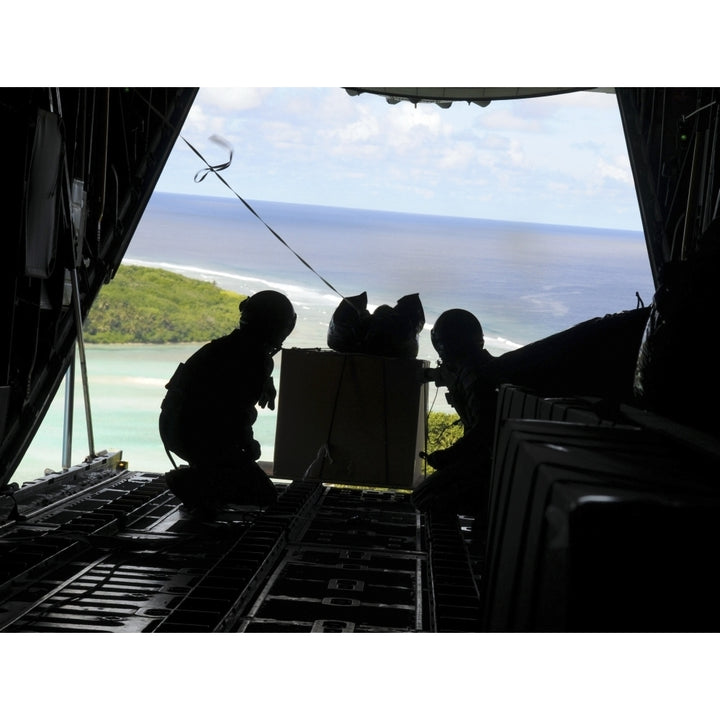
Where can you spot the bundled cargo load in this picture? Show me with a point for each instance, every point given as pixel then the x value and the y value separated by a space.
pixel 387 331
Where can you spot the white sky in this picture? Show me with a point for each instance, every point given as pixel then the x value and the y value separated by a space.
pixel 560 160
pixel 555 160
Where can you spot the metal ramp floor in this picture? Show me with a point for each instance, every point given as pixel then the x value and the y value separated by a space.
pixel 108 550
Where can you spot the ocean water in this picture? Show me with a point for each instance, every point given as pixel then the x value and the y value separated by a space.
pixel 523 281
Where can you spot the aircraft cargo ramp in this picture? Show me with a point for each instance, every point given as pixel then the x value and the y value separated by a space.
pixel 601 519
pixel 122 556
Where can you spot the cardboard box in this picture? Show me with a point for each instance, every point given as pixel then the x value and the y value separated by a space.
pixel 350 419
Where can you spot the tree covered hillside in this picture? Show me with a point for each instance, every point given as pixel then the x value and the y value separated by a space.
pixel 149 305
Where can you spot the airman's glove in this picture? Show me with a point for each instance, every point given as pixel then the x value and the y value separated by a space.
pixel 268 395
pixel 439 459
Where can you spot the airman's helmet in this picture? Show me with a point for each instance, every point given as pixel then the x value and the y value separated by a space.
pixel 456 333
pixel 269 315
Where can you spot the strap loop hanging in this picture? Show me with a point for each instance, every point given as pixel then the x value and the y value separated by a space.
pixel 215 169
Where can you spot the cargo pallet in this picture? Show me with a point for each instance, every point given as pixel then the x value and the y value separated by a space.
pixel 103 549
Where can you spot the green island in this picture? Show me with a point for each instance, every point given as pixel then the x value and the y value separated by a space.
pixel 443 429
pixel 151 305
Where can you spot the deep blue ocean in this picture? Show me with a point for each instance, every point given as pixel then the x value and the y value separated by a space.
pixel 524 281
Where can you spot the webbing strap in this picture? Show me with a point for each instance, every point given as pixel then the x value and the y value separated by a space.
pixel 215 169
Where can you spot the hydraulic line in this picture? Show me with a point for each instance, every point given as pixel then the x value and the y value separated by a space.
pixel 70 389
pixel 106 140
pixel 68 413
pixel 710 210
pixel 83 364
pixel 692 196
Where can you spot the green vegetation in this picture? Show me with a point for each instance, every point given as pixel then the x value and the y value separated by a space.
pixel 442 430
pixel 149 305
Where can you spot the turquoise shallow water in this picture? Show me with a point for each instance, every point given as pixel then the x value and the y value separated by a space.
pixel 127 385
pixel 126 388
